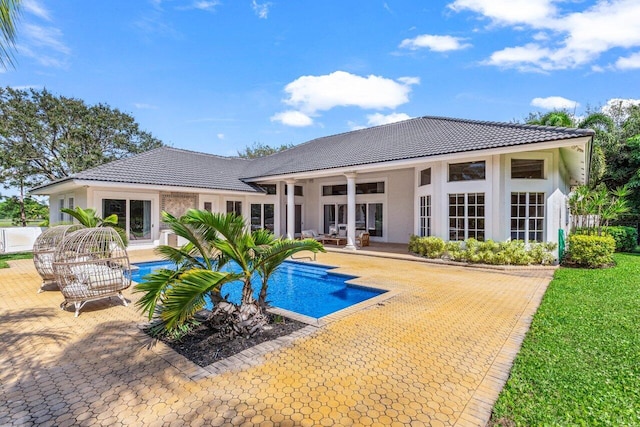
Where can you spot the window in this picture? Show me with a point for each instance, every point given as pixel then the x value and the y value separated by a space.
pixel 466 216
pixel 425 216
pixel 234 207
pixel 470 171
pixel 362 188
pixel 71 203
pixel 297 190
pixel 425 177
pixel 527 216
pixel 207 206
pixel 370 188
pixel 262 216
pixel 334 190
pixel 527 169
pixel 60 207
pixel 269 188
pixel 117 207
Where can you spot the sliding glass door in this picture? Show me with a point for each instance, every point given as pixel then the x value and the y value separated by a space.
pixel 133 215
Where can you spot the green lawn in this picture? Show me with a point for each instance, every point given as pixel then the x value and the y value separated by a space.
pixel 580 362
pixel 10 257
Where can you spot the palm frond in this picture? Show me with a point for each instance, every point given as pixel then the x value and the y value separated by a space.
pixel 154 287
pixel 187 295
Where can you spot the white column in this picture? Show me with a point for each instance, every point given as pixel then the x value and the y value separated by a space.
pixel 351 211
pixel 291 209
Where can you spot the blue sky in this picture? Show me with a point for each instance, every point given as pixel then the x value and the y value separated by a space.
pixel 216 76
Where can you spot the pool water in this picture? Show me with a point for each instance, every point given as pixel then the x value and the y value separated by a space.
pixel 311 290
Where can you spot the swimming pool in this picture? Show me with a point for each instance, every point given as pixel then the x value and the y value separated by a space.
pixel 311 290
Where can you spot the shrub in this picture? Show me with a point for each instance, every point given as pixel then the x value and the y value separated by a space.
pixel 455 251
pixel 513 252
pixel 430 247
pixel 590 251
pixel 626 237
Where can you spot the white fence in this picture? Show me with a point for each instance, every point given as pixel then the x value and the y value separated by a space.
pixel 18 239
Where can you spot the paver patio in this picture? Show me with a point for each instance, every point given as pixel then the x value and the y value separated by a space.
pixel 436 353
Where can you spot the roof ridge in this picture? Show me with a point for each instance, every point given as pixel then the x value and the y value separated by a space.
pixel 512 125
pixel 206 154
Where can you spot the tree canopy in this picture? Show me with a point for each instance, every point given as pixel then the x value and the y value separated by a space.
pixel 261 150
pixel 616 148
pixel 33 210
pixel 45 137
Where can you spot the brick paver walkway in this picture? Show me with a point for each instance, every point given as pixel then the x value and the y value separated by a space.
pixel 437 353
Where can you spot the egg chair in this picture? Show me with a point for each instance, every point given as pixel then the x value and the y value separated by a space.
pixel 91 264
pixel 44 249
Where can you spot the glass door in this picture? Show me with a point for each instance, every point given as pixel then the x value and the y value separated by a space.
pixel 140 220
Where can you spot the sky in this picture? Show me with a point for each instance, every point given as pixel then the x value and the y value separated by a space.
pixel 218 75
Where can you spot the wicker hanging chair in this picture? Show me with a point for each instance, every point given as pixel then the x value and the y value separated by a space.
pixel 91 264
pixel 44 249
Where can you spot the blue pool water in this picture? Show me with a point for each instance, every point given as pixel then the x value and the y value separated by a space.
pixel 311 290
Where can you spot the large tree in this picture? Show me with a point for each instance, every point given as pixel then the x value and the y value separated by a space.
pixel 9 10
pixel 44 137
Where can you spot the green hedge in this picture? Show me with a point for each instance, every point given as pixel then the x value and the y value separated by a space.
pixel 590 251
pixel 626 237
pixel 513 252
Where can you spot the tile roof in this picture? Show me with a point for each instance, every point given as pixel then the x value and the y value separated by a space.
pixel 172 167
pixel 415 138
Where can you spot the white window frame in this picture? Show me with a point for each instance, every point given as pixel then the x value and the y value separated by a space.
pixel 527 217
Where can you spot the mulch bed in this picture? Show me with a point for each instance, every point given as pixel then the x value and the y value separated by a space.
pixel 203 346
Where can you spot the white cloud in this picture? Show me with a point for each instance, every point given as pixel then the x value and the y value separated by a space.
pixel 44 44
pixel 409 80
pixel 522 57
pixel 320 93
pixel 209 6
pixel 220 136
pixel 378 119
pixel 45 37
pixel 292 118
pixel 628 63
pixel 261 10
pixel 618 107
pixel 35 8
pixel 434 43
pixel 508 12
pixel 26 87
pixel 569 40
pixel 143 106
pixel 554 103
pixel 206 5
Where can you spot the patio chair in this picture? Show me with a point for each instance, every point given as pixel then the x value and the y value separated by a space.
pixel 91 264
pixel 362 239
pixel 44 249
pixel 311 234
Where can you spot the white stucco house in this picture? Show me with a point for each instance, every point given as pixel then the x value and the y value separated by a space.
pixel 445 177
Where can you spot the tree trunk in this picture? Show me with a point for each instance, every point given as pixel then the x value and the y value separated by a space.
pixel 247 292
pixel 23 215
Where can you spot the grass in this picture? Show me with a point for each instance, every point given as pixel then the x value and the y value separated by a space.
pixel 580 362
pixel 10 257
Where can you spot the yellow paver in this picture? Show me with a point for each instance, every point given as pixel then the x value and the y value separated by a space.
pixel 437 353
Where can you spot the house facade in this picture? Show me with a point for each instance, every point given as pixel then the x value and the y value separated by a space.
pixel 428 176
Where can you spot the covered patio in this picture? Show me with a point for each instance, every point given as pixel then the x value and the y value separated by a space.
pixel 437 353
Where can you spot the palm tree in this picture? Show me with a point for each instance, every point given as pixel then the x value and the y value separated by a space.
pixel 89 219
pixel 9 10
pixel 173 297
pixel 602 124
